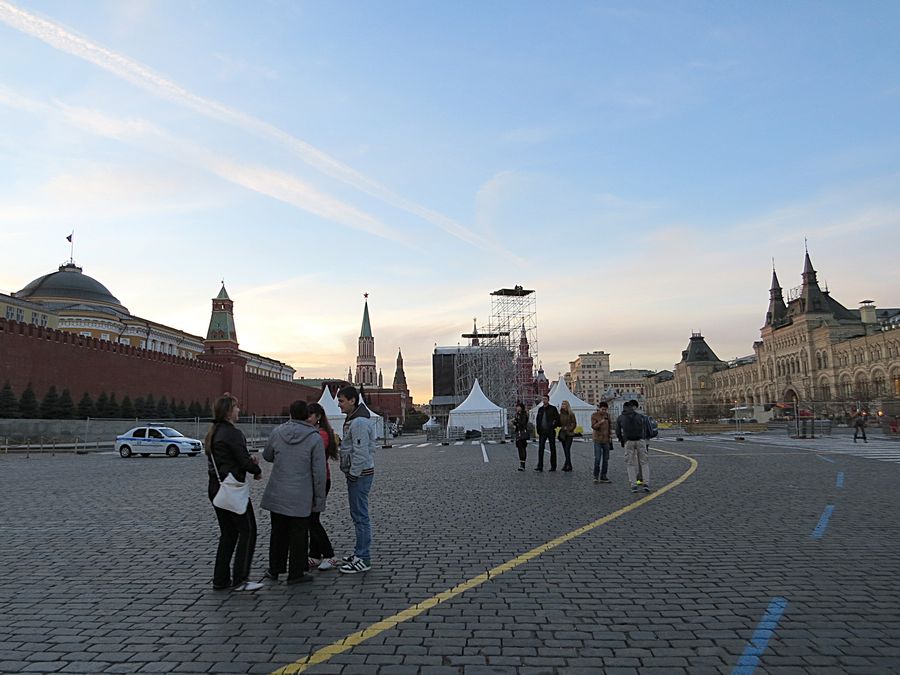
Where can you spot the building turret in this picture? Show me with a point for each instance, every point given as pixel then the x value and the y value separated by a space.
pixel 221 344
pixel 399 384
pixel 777 309
pixel 811 295
pixel 221 336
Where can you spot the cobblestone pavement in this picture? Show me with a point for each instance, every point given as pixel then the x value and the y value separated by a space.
pixel 107 565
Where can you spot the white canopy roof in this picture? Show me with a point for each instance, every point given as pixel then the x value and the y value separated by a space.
pixel 332 412
pixel 431 423
pixel 582 409
pixel 376 419
pixel 477 411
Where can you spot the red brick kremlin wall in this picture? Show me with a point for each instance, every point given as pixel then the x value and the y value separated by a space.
pixel 45 357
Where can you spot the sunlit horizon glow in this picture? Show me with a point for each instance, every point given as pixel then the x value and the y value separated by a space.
pixel 639 165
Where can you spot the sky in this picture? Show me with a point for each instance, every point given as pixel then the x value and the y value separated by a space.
pixel 638 164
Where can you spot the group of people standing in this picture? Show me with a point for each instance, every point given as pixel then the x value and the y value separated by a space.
pixel 632 429
pixel 295 495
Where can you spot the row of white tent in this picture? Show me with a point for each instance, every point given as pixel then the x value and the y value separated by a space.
pixel 478 412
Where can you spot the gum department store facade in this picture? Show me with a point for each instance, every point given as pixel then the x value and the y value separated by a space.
pixel 813 352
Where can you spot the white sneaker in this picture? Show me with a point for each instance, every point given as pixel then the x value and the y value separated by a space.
pixel 328 564
pixel 248 586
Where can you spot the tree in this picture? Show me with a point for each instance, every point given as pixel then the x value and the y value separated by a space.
pixel 112 406
pixel 414 420
pixel 150 407
pixel 195 409
pixel 28 405
pixel 127 408
pixel 66 405
pixel 86 407
pixel 207 410
pixel 140 407
pixel 9 404
pixel 50 404
pixel 181 410
pixel 102 405
pixel 163 411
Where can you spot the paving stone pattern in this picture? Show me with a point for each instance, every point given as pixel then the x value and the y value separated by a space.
pixel 107 565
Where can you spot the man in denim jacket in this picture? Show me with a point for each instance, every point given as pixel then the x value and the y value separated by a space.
pixel 358 463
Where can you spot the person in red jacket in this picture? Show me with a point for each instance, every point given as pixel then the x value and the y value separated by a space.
pixel 321 552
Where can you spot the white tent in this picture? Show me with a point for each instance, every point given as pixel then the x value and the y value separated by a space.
pixel 377 421
pixel 431 424
pixel 582 409
pixel 332 412
pixel 477 412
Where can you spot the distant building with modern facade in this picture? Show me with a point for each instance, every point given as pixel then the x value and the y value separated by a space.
pixel 591 379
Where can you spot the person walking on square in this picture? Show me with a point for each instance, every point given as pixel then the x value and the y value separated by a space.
pixel 226 453
pixel 520 428
pixel 631 430
pixel 358 464
pixel 567 425
pixel 321 552
pixel 602 446
pixel 296 489
pixel 547 424
pixel 859 426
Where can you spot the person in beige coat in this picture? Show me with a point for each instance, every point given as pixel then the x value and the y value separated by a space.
pixel 602 442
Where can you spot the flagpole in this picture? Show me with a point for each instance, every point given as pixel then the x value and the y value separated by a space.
pixel 72 247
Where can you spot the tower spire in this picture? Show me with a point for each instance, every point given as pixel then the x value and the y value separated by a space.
pixel 366 368
pixel 221 331
pixel 777 309
pixel 811 295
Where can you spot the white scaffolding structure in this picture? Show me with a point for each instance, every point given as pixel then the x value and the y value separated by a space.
pixel 491 356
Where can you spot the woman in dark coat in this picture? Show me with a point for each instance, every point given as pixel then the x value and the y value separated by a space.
pixel 226 452
pixel 567 423
pixel 520 427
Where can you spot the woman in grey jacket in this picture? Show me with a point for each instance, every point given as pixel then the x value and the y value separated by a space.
pixel 296 488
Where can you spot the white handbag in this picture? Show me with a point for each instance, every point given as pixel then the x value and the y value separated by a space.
pixel 233 495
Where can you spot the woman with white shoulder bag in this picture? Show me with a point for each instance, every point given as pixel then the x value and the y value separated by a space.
pixel 229 490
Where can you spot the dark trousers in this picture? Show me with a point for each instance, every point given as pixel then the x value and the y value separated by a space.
pixel 319 543
pixel 566 441
pixel 288 545
pixel 601 458
pixel 237 538
pixel 859 431
pixel 543 440
pixel 522 447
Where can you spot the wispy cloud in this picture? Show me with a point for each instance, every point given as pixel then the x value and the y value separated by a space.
pixel 263 180
pixel 141 76
pixel 234 69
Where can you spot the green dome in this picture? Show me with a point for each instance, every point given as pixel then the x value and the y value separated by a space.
pixel 69 286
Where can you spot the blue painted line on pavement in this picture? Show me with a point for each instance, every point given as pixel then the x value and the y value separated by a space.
pixel 764 631
pixel 823 522
pixel 827 459
pixel 840 479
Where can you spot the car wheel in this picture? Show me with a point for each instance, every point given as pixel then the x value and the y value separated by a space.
pixel 172 451
pixel 145 454
pixel 125 452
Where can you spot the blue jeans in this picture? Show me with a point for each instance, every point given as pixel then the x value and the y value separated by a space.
pixel 358 497
pixel 601 458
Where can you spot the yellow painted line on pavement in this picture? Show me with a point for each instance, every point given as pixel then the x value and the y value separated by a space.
pixel 345 644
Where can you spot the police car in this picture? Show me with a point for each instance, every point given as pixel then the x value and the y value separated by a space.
pixel 154 439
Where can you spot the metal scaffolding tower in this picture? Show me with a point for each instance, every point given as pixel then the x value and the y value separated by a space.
pixel 492 355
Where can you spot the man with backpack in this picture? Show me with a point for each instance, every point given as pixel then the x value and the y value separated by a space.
pixel 633 431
